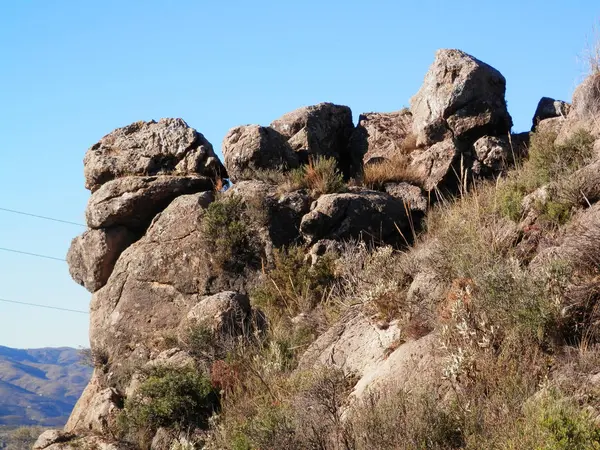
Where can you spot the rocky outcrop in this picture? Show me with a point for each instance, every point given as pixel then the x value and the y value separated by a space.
pixel 166 147
pixel 370 215
pixel 548 108
pixel 380 136
pixel 92 255
pixel 321 130
pixel 249 148
pixel 134 201
pixel 462 98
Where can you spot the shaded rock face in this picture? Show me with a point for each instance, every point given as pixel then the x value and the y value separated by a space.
pixel 461 97
pixel 168 146
pixel 411 196
pixel 382 136
pixel 247 149
pixel 492 154
pixel 549 108
pixel 93 255
pixel 320 130
pixel 370 215
pixel 134 201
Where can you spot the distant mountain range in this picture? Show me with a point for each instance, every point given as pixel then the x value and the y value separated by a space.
pixel 40 386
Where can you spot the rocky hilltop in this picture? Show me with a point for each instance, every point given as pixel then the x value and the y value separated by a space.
pixel 423 279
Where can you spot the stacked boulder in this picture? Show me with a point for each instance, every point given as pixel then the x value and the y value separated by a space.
pixel 134 173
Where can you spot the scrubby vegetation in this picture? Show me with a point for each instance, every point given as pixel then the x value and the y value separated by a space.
pixel 548 162
pixel 18 438
pixel 320 176
pixel 177 398
pixel 376 175
pixel 506 331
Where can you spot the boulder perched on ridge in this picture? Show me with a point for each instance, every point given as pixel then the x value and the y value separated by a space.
pixel 168 146
pixel 134 201
pixel 549 108
pixel 321 130
pixel 93 255
pixel 370 215
pixel 249 148
pixel 462 98
pixel 586 98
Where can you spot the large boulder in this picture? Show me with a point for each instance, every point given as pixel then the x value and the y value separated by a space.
pixel 370 215
pixel 383 136
pixel 93 254
pixel 168 146
pixel 320 130
pixel 586 98
pixel 249 148
pixel 461 97
pixel 548 108
pixel 134 201
pixel 155 282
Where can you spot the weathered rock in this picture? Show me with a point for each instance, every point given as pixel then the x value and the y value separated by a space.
pixel 93 255
pixel 86 442
pixel 382 136
pixel 437 166
pixel 96 409
pixel 461 97
pixel 376 356
pixel 370 215
pixel 50 437
pixel 224 313
pixel 549 108
pixel 493 155
pixel 168 146
pixel 320 130
pixel 154 283
pixel 249 148
pixel 412 196
pixel 586 98
pixel 322 248
pixel 281 213
pixel 134 201
pixel 553 125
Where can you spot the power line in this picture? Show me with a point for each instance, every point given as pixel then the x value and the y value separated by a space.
pixel 42 217
pixel 37 255
pixel 43 306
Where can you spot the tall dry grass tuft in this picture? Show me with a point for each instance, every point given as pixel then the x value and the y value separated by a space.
pixel 397 170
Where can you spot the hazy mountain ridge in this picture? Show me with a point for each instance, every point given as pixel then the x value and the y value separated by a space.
pixel 40 386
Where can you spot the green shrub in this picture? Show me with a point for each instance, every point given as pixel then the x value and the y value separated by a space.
pixel 293 285
pixel 229 235
pixel 177 398
pixel 548 162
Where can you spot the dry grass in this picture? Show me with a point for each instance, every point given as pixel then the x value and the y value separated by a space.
pixel 375 175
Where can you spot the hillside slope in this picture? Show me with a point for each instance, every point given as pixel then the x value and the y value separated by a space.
pixel 40 386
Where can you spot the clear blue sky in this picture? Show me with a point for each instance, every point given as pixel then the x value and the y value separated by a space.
pixel 71 71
